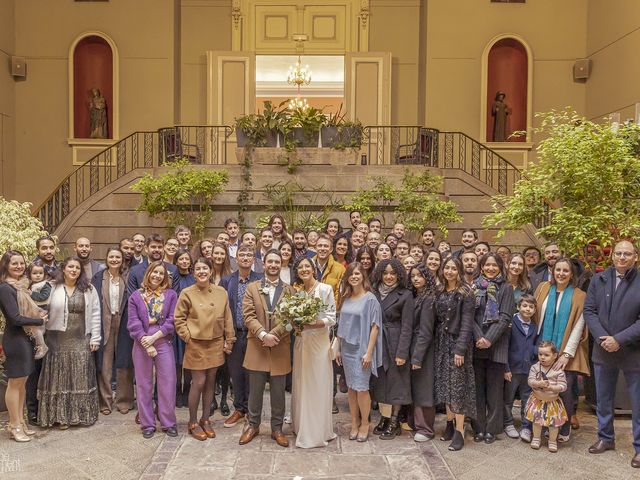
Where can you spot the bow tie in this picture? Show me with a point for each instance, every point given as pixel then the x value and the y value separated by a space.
pixel 269 283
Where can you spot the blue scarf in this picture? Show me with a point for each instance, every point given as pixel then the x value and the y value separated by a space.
pixel 555 324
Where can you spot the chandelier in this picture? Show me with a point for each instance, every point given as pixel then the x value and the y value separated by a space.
pixel 298 76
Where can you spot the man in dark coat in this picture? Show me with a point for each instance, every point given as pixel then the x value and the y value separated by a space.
pixel 612 312
pixel 155 252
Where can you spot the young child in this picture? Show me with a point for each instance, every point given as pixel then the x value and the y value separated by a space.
pixel 40 291
pixel 522 354
pixel 544 408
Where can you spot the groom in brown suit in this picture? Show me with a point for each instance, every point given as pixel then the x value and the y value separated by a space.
pixel 268 356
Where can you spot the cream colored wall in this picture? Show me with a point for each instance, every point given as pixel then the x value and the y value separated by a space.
pixel 7 100
pixel 143 31
pixel 395 27
pixel 457 33
pixel 206 25
pixel 613 43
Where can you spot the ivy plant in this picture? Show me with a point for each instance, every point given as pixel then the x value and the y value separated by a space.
pixel 415 202
pixel 184 195
pixel 587 175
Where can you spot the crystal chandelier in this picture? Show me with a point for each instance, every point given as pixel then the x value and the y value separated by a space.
pixel 298 76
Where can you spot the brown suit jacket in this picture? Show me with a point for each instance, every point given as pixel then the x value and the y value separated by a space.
pixel 106 307
pixel 275 360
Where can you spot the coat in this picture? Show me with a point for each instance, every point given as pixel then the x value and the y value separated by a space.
pixel 496 333
pixel 204 315
pixel 332 275
pixel 275 360
pixel 611 311
pixel 100 281
pixel 523 347
pixel 422 353
pixel 393 385
pixel 58 312
pixel 138 321
pixel 230 284
pixel 461 323
pixel 580 361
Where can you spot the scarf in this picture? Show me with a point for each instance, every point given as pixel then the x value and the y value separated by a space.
pixel 555 322
pixel 154 300
pixel 486 287
pixel 26 306
pixel 385 290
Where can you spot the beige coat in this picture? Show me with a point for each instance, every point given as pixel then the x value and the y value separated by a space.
pixel 275 360
pixel 204 315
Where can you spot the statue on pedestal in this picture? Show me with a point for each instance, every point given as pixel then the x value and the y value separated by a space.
pixel 98 115
pixel 499 111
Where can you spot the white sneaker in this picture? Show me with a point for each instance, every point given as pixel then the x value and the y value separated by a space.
pixel 418 437
pixel 511 431
pixel 287 419
pixel 564 438
pixel 525 435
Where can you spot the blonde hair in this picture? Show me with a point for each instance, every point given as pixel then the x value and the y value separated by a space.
pixel 152 266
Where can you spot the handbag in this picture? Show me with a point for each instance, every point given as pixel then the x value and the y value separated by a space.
pixel 334 349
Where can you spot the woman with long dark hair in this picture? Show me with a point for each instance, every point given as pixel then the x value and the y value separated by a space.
pixel 495 307
pixel 68 390
pixel 332 228
pixel 360 344
pixel 221 263
pixel 18 349
pixel 342 250
pixel 183 279
pixel 518 277
pixel 366 257
pixel 454 378
pixel 278 227
pixel 423 286
pixel 286 250
pixel 393 385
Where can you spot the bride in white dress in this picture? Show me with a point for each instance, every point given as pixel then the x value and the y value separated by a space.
pixel 312 394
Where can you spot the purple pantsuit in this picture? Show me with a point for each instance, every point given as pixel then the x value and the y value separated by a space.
pixel 164 361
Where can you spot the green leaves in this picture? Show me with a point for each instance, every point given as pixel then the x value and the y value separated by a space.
pixel 589 174
pixel 415 202
pixel 184 195
pixel 19 230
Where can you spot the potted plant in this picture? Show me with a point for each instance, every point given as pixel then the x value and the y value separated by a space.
pixel 340 133
pixel 306 124
pixel 263 128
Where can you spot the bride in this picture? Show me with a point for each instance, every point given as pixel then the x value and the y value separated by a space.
pixel 312 394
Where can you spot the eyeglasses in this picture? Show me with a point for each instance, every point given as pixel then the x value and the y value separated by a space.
pixel 623 254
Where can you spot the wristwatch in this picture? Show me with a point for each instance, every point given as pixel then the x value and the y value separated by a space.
pixel 566 355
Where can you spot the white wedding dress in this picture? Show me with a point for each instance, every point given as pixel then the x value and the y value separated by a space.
pixel 312 394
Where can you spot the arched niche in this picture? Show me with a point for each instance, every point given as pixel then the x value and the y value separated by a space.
pixel 93 64
pixel 507 66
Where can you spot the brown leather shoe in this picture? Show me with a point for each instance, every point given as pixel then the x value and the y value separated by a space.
pixel 280 438
pixel 235 417
pixel 196 432
pixel 249 434
pixel 601 446
pixel 635 461
pixel 207 428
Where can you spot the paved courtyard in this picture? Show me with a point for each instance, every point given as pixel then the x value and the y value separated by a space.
pixel 115 449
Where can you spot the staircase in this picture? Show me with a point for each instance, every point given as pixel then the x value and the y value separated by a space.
pixel 96 200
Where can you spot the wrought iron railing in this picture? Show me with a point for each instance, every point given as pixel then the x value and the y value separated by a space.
pixel 381 145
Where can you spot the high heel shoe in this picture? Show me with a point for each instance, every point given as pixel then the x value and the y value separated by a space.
pixel 448 432
pixel 457 443
pixel 19 435
pixel 27 430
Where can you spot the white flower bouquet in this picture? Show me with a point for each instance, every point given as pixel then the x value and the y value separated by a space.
pixel 295 310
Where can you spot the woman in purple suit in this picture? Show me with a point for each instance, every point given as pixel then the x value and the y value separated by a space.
pixel 151 327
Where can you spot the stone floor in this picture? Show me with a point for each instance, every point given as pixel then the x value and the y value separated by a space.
pixel 114 449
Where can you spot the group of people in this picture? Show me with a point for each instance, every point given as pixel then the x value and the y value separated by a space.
pixel 406 327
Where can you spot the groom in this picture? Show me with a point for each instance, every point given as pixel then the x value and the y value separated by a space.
pixel 268 356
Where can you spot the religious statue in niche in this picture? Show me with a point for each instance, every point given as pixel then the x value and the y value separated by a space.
pixel 499 111
pixel 98 115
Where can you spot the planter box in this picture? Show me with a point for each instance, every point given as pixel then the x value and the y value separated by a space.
pixel 271 138
pixel 303 139
pixel 306 156
pixel 332 136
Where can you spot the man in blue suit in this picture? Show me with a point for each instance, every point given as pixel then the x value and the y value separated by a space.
pixel 155 252
pixel 236 286
pixel 612 312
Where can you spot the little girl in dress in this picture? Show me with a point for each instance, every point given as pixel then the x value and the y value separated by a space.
pixel 40 291
pixel 544 407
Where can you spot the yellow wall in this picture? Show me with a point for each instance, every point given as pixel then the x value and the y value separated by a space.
pixel 7 100
pixel 457 33
pixel 143 31
pixel 613 45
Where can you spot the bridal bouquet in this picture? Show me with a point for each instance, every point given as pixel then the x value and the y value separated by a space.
pixel 295 310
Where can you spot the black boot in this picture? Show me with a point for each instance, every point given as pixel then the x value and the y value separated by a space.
pixel 224 408
pixel 448 432
pixel 392 430
pixel 382 426
pixel 214 406
pixel 458 441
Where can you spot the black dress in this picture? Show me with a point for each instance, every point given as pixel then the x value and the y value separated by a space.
pixel 18 349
